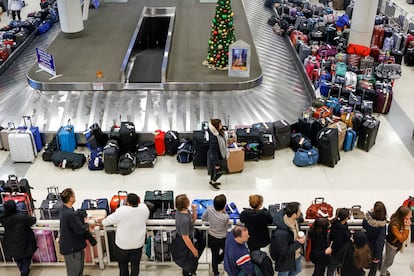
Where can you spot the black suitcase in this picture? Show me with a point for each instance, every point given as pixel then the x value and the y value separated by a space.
pixel 50 207
pixel 328 147
pixel 264 128
pixel 200 148
pixel 99 137
pixel 282 131
pixel 146 155
pixel 127 137
pixel 162 201
pixel 249 138
pixel 357 120
pixel 316 127
pixel 111 156
pixel 267 145
pixel 398 55
pixel 305 126
pixel 172 141
pixel 409 57
pixel 13 184
pixel 368 134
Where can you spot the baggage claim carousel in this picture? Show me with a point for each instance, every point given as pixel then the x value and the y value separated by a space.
pixel 163 87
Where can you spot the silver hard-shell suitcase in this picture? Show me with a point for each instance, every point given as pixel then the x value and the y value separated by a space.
pixel 22 146
pixel 4 134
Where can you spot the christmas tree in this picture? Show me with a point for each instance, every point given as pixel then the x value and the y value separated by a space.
pixel 222 35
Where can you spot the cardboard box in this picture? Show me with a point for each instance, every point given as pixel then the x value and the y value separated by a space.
pixel 235 161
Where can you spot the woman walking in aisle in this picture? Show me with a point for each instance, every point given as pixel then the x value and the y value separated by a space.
pixel 217 152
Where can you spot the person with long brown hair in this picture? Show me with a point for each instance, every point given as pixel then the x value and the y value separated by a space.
pixel 320 248
pixel 398 231
pixel 375 225
pixel 217 152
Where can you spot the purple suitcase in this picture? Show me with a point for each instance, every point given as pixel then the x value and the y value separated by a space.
pixel 383 100
pixel 45 252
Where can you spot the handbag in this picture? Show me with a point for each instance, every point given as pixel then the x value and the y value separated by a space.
pixel 258 256
pixel 319 209
pixel 304 158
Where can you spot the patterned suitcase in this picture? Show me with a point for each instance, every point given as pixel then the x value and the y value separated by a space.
pixel 22 146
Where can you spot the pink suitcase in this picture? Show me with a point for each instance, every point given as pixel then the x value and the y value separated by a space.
pixel 22 146
pixel 45 252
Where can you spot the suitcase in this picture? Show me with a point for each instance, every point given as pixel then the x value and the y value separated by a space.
pixel 249 138
pixel 409 57
pixel 282 131
pixel 264 128
pixel 66 138
pixel 305 126
pixel 159 140
pixel 368 134
pixel 97 139
pixel 316 127
pixel 118 200
pixel 96 204
pixel 268 145
pixel 328 147
pixel 398 55
pixel 126 163
pixel 4 135
pixel 341 126
pixel 51 205
pixel 357 120
pixel 22 146
pixel 127 137
pixel 95 160
pixel 383 100
pixel 200 147
pixel 35 131
pixel 235 161
pixel 23 201
pixel 162 203
pixel 45 252
pixel 350 139
pixel 172 141
pixel 111 156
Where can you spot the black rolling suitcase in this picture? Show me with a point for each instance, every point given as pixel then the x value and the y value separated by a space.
pixel 328 147
pixel 111 156
pixel 316 127
pixel 200 147
pixel 172 141
pixel 368 133
pixel 127 137
pixel 162 203
pixel 267 145
pixel 409 57
pixel 50 207
pixel 304 126
pixel 264 128
pixel 249 138
pixel 282 131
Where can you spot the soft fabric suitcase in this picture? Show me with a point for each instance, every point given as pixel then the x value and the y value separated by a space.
pixel 98 137
pixel 171 141
pixel 409 57
pixel 200 147
pixel 368 134
pixel 4 135
pixel 328 147
pixel 111 156
pixel 268 145
pixel 22 146
pixel 66 138
pixel 118 200
pixel 159 140
pixel 35 131
pixel 383 100
pixel 264 127
pixel 350 139
pixel 126 163
pixel 45 252
pixel 96 204
pixel 51 205
pixel 235 161
pixel 282 131
pixel 398 55
pixel 305 126
pixel 341 126
pixel 146 156
pixel 202 205
pixel 162 203
pixel 127 137
pixel 316 127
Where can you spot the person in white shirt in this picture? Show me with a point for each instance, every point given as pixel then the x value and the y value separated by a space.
pixel 15 6
pixel 131 229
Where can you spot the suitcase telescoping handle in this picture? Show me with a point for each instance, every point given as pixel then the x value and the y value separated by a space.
pixel 119 196
pixel 14 182
pixel 11 125
pixel 28 118
pixel 53 190
pixel 319 200
pixel 356 207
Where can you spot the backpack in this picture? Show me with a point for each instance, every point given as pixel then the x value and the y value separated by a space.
pixel 232 211
pixel 185 151
pixel 126 164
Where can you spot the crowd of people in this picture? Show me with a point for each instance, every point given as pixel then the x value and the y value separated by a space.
pixel 332 245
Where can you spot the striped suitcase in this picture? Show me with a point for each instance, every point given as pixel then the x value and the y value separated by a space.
pixel 22 146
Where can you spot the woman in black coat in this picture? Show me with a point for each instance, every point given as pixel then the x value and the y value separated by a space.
pixel 217 152
pixel 320 249
pixel 19 240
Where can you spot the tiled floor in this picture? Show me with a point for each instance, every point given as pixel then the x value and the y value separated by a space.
pixel 386 173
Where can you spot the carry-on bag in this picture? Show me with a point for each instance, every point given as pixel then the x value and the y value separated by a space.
pixel 97 138
pixel 126 164
pixel 95 160
pixel 111 156
pixel 128 138
pixel 304 158
pixel 4 135
pixel 146 155
pixel 202 205
pixel 171 141
pixel 96 204
pixel 163 200
pixel 118 200
pixel 159 140
pixel 235 160
pixel 200 147
pixel 66 138
pixel 368 134
pixel 327 139
pixel 341 126
pixel 298 141
pixel 35 131
pixel 22 146
pixel 51 205
pixel 23 201
pixel 319 209
pixel 50 148
pixel 384 100
pixel 282 131
pixel 267 145
pixel 350 139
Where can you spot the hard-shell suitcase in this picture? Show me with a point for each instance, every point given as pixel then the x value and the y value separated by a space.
pixel 127 137
pixel 282 131
pixel 118 200
pixel 45 252
pixel 341 126
pixel 4 135
pixel 66 138
pixel 398 55
pixel 235 161
pixel 159 140
pixel 350 139
pixel 357 120
pixel 384 100
pixel 35 131
pixel 328 147
pixel 111 156
pixel 23 201
pixel 172 141
pixel 96 204
pixel 22 146
pixel 378 36
pixel 368 134
pixel 200 147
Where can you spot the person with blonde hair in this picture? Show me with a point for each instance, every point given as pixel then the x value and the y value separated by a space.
pixel 257 219
pixel 398 231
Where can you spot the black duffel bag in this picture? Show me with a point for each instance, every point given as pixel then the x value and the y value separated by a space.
pixel 70 160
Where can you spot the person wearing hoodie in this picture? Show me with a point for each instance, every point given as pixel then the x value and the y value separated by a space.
pixel 217 152
pixel 355 255
pixel 286 244
pixel 257 220
pixel 19 240
pixel 339 236
pixel 375 225
pixel 320 248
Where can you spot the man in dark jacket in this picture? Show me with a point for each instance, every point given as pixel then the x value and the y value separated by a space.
pixel 72 235
pixel 286 245
pixel 19 239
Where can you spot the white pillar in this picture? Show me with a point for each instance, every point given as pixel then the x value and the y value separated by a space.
pixel 70 16
pixel 362 24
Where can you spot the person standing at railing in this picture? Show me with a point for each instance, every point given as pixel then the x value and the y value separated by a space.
pixel 218 221
pixel 131 220
pixel 19 239
pixel 72 235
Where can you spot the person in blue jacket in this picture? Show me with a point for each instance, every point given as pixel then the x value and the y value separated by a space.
pixel 375 225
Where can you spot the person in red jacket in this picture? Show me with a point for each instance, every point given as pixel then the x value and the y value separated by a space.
pixel 398 231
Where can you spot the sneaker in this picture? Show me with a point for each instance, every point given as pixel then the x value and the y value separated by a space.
pixel 214 186
pixel 213 182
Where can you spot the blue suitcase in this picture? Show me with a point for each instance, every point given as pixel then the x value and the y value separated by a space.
pixel 35 131
pixel 66 138
pixel 350 139
pixel 96 204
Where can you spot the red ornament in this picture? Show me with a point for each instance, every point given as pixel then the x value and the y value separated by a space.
pixel 218 56
pixel 215 32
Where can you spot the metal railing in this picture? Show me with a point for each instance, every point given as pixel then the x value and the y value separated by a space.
pixel 397 15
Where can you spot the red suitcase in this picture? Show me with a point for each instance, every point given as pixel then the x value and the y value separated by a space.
pixel 378 36
pixel 22 201
pixel 45 252
pixel 159 140
pixel 118 200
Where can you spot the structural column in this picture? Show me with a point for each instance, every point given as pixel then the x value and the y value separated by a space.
pixel 362 24
pixel 70 16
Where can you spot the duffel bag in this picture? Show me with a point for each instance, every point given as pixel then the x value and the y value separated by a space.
pixel 304 158
pixel 319 209
pixel 70 160
pixel 358 49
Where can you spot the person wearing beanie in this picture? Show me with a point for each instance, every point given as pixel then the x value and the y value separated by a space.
pixel 19 240
pixel 355 255
pixel 339 237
